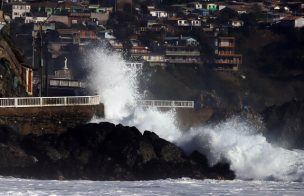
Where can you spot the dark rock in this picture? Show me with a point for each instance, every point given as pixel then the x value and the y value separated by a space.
pixel 14 157
pixel 101 152
pixel 200 159
pixel 164 149
pixel 285 124
pixel 9 135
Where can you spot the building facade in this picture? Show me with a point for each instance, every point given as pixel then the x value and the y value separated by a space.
pixel 225 57
pixel 182 50
pixel 19 10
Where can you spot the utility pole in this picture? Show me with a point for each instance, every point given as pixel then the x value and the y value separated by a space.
pixel 115 6
pixel 41 61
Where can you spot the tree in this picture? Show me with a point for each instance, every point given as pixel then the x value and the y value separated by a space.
pixel 225 15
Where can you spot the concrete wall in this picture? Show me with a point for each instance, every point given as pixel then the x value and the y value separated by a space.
pixel 40 120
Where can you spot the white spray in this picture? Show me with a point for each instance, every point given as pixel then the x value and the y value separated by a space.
pixel 118 86
pixel 250 155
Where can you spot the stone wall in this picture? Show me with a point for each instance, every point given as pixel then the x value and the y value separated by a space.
pixel 41 120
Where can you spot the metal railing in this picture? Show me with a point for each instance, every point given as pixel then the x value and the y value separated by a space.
pixel 48 101
pixel 166 103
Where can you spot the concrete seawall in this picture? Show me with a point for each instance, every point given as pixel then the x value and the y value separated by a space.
pixel 41 120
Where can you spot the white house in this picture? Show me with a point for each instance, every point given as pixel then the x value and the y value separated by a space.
pixel 187 23
pixel 159 13
pixel 236 23
pixel 222 7
pixel 196 5
pixel 12 1
pixel 195 23
pixel 135 65
pixel 34 19
pixel 183 23
pixel 20 10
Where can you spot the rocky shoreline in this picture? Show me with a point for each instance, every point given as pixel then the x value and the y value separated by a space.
pixel 101 152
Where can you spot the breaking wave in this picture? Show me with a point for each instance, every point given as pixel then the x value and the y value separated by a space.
pixel 234 140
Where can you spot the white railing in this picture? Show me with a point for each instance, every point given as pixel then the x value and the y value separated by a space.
pixel 48 101
pixel 166 103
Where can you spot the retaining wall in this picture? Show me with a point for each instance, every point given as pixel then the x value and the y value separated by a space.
pixel 55 119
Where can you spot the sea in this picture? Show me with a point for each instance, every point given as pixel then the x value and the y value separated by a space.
pixel 183 186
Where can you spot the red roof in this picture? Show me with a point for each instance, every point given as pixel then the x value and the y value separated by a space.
pixel 288 18
pixel 68 31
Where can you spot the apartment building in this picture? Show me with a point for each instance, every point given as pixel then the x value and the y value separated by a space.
pixel 225 57
pixel 182 50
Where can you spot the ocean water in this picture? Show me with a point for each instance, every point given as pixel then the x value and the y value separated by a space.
pixel 184 186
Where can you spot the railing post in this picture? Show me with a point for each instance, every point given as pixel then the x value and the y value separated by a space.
pixel 16 102
pixel 65 100
pixel 40 101
pixel 90 100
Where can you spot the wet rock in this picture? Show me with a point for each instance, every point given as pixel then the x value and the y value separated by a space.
pixel 14 157
pixel 102 152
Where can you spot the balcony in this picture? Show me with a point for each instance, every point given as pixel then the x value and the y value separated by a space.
pixel 226 44
pixel 182 53
pixel 66 83
pixel 226 53
pixel 228 61
pixel 184 61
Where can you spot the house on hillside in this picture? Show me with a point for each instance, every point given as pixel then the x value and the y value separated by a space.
pixel 235 23
pixel 79 18
pixel 292 22
pixel 100 15
pixel 20 9
pixel 159 13
pixel 116 45
pixel 182 50
pixel 212 7
pixel 225 57
pixel 60 19
pixel 201 12
pixel 138 50
pixel 52 8
pixel 195 5
pixel 35 18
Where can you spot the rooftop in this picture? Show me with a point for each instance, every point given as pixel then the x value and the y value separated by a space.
pixel 289 18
